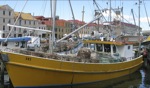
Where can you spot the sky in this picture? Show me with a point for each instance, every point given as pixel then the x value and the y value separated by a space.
pixel 42 7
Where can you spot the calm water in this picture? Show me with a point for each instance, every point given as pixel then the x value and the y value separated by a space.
pixel 139 79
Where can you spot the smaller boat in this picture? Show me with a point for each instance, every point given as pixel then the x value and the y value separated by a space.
pixel 16 42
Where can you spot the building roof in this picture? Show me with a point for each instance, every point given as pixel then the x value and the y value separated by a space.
pixel 61 22
pixel 39 17
pixel 24 16
pixel 5 7
pixel 78 22
pixel 47 22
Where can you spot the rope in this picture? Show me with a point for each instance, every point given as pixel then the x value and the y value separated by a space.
pixel 16 4
pixel 146 13
pixel 16 21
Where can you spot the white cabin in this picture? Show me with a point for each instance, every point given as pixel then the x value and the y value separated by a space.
pixel 33 43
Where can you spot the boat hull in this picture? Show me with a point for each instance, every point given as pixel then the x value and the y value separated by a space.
pixel 30 71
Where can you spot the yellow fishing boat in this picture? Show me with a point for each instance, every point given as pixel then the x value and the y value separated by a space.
pixel 100 60
pixel 30 71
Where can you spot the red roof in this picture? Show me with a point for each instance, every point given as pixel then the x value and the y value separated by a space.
pixel 39 17
pixel 77 22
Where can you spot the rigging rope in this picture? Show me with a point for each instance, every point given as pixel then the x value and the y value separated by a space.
pixel 15 4
pixel 44 7
pixel 16 21
pixel 146 13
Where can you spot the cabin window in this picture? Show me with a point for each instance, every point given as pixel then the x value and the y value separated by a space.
pixel 128 47
pixel 107 48
pixel 114 49
pixel 23 44
pixel 99 47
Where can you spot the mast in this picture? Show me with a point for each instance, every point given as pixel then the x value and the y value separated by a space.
pixel 133 16
pixel 110 10
pixel 110 22
pixel 74 24
pixel 139 26
pixel 82 33
pixel 53 26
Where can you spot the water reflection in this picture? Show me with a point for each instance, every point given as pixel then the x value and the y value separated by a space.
pixel 145 81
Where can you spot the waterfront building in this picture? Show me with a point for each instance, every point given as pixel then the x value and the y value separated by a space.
pixel 61 26
pixel 6 16
pixel 9 16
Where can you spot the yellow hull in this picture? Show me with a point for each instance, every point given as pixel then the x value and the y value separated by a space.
pixel 30 71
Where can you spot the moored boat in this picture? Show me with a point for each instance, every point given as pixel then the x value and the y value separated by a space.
pixel 53 70
pixel 106 60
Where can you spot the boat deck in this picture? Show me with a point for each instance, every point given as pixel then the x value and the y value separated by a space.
pixel 95 57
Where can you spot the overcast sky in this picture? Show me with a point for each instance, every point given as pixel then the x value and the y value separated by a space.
pixel 42 7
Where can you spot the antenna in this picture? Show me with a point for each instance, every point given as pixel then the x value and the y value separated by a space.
pixel 83 14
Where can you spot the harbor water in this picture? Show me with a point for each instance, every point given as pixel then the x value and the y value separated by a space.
pixel 139 79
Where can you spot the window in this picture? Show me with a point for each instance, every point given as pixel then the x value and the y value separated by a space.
pixel 114 49
pixel 19 29
pixel 34 22
pixel 9 21
pixel 3 27
pixel 15 35
pixel 55 29
pixel 128 47
pixel 19 35
pixel 107 48
pixel 14 28
pixel 3 35
pixel 19 22
pixel 3 12
pixel 9 13
pixel 3 20
pixel 25 22
pixel 99 47
pixel 30 22
pixel 22 44
pixel 9 28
